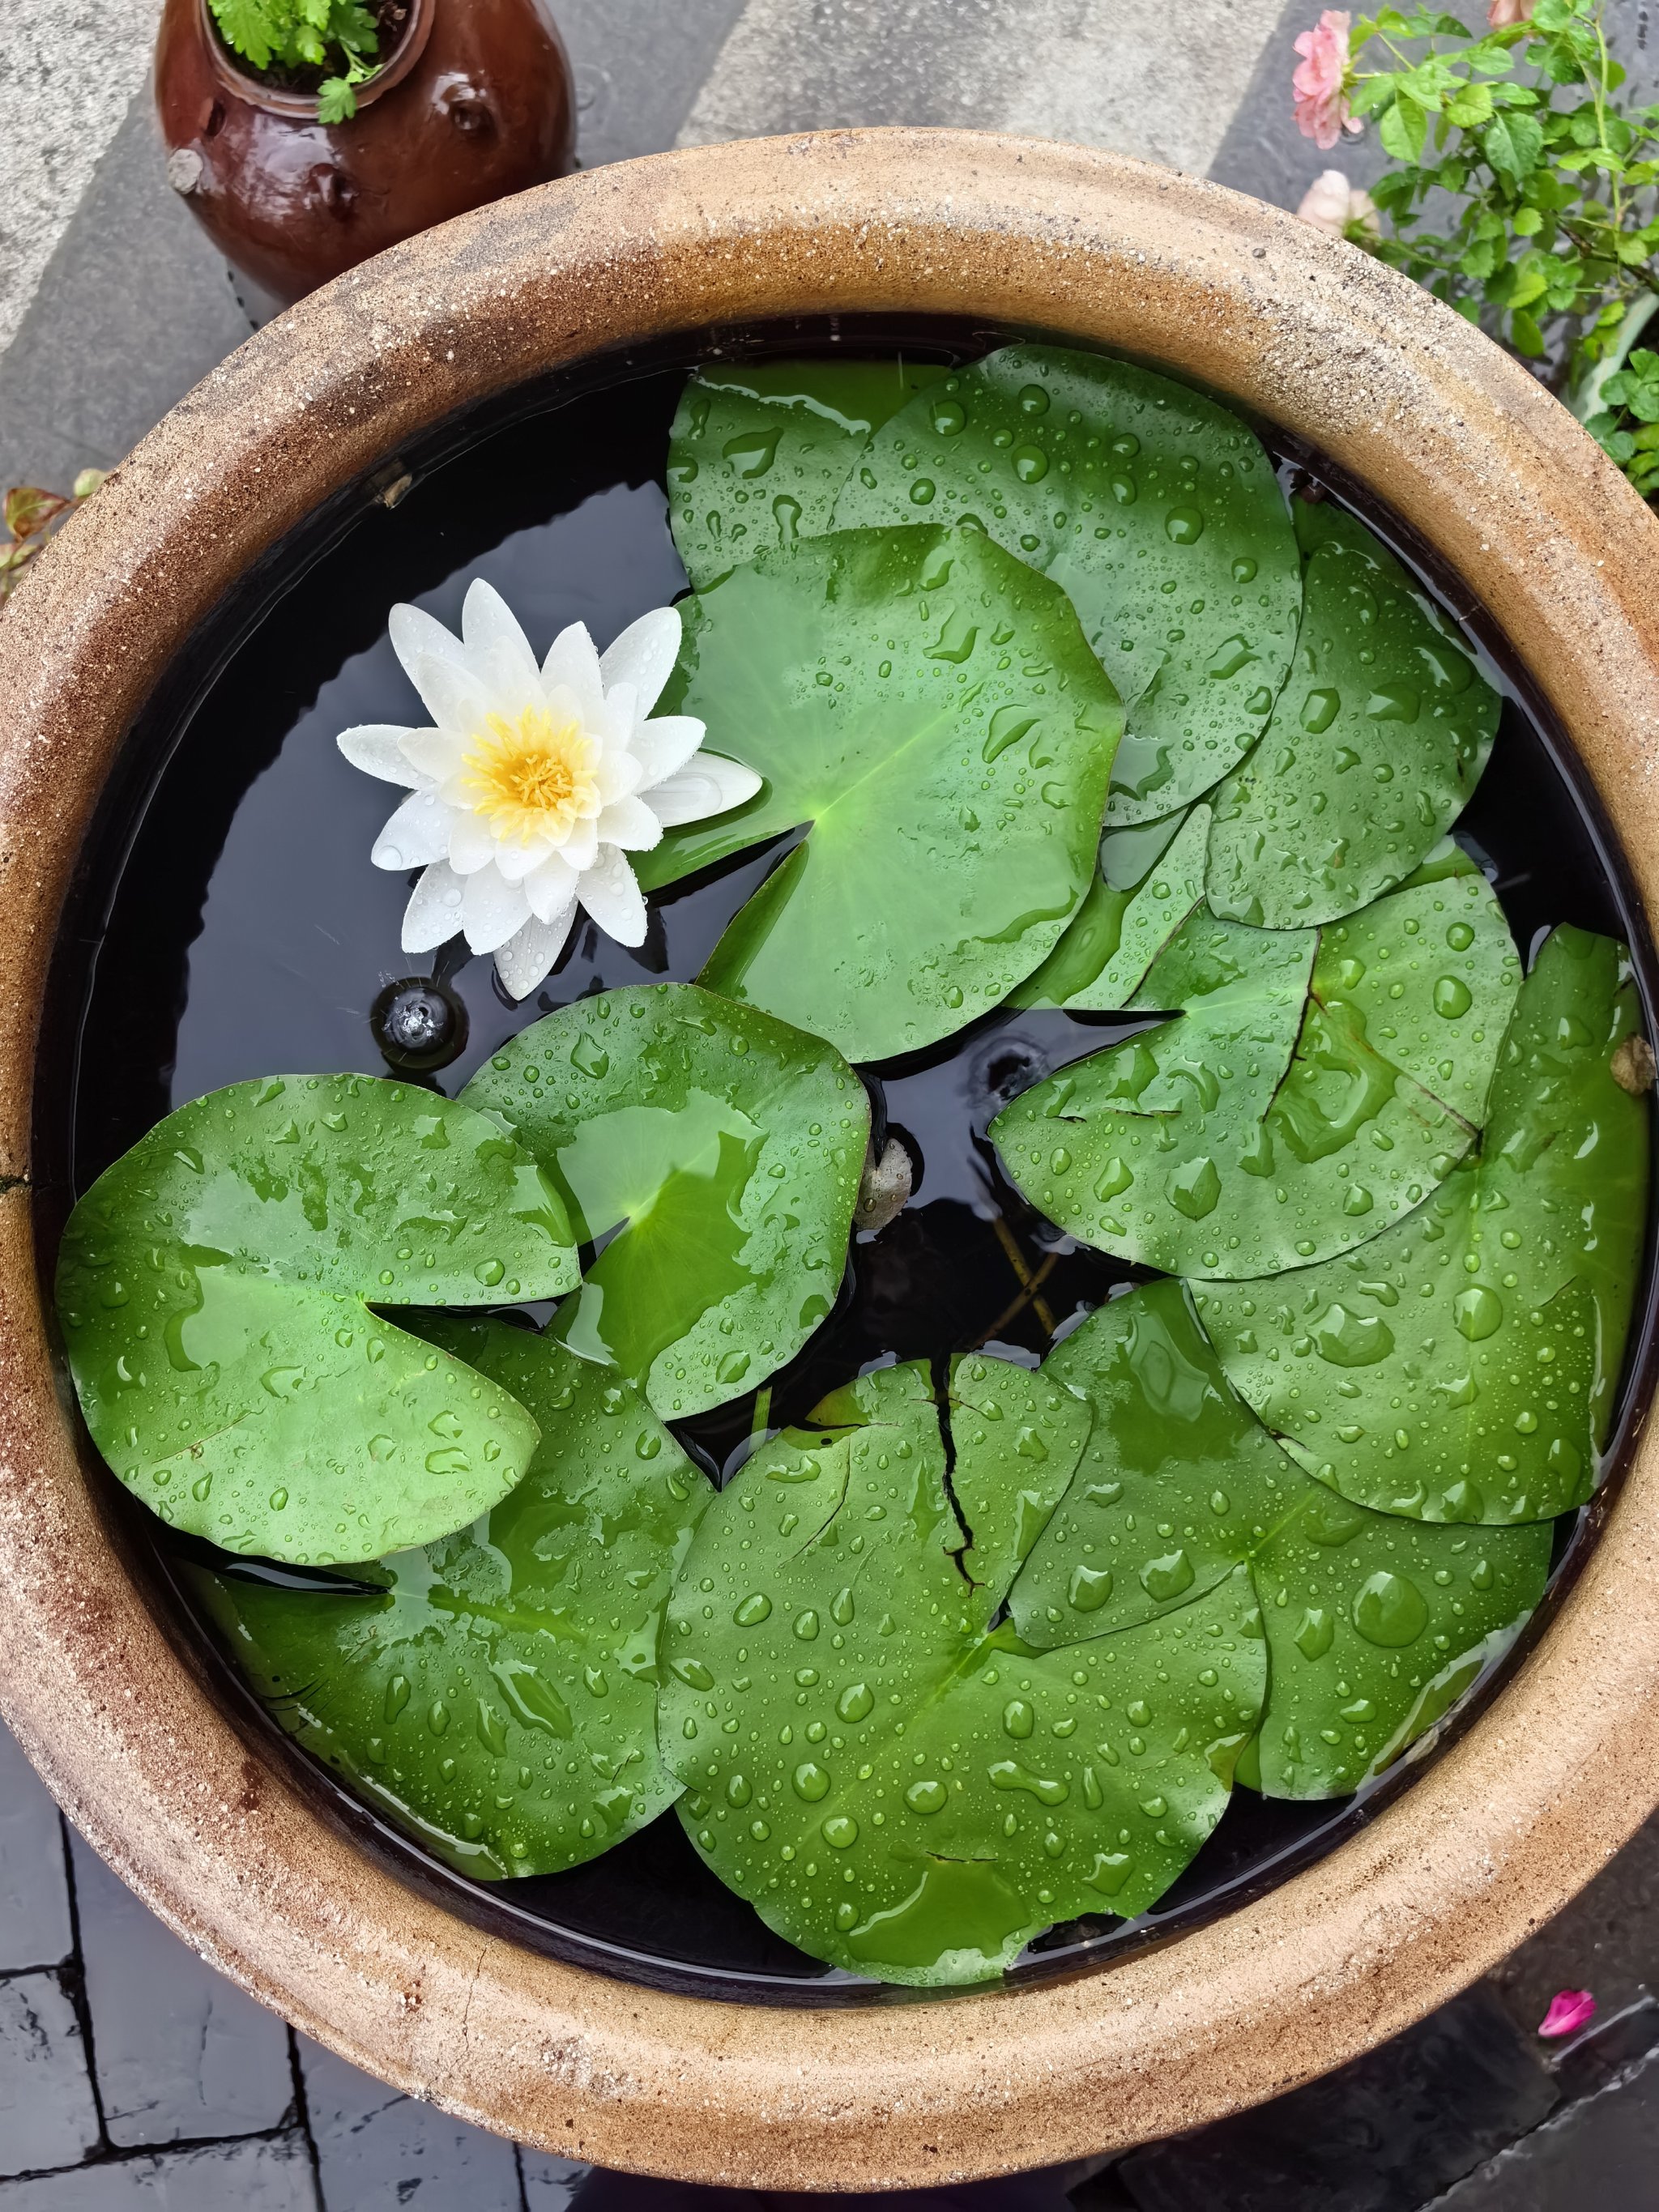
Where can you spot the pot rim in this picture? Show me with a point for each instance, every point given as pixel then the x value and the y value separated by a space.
pixel 1497 1834
pixel 302 106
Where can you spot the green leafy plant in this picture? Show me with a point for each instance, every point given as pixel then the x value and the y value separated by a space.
pixel 290 38
pixel 1523 191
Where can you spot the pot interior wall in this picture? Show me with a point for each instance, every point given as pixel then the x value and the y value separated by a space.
pixel 225 923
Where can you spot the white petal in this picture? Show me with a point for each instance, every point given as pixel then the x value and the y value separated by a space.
pixel 611 895
pixel 710 785
pixel 527 957
pixel 491 910
pixel 582 847
pixel 376 748
pixel 665 745
pixel 631 824
pixel 551 889
pixel 434 912
pixel 491 629
pixel 510 681
pixel 616 774
pixel 517 861
pixel 472 846
pixel 418 832
pixel 572 661
pixel 455 698
pixel 644 655
pixel 418 635
pixel 615 723
pixel 434 755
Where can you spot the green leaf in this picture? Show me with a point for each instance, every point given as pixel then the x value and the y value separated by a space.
pixel 1525 335
pixel 760 449
pixel 1151 875
pixel 1462 1366
pixel 337 101
pixel 245 28
pixel 894 1784
pixel 1141 499
pixel 499 1698
pixel 931 709
pixel 1282 1117
pixel 215 1287
pixel 1513 142
pixel 1377 741
pixel 727 1146
pixel 1368 1619
pixel 1404 128
pixel 1473 104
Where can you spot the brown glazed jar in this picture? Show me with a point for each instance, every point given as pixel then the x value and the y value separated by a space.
pixel 473 101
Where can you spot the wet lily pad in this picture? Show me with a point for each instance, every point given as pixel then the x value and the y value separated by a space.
pixel 1156 510
pixel 498 1696
pixel 1377 743
pixel 759 451
pixel 894 1784
pixel 1462 1366
pixel 929 710
pixel 1373 1624
pixel 216 1288
pixel 1121 926
pixel 1298 1105
pixel 723 1148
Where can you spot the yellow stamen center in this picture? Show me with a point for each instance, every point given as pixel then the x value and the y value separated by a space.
pixel 532 778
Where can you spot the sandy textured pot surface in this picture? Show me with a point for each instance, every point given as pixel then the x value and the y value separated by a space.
pixel 1492 1837
pixel 473 99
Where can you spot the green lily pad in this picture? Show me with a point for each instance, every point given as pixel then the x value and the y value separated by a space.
pixel 760 449
pixel 930 709
pixel 1153 507
pixel 498 1696
pixel 1373 1624
pixel 1462 1366
pixel 216 1288
pixel 894 1784
pixel 1377 741
pixel 1298 1105
pixel 1120 929
pixel 724 1148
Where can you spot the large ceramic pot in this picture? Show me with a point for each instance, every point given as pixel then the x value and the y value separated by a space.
pixel 313 417
pixel 473 99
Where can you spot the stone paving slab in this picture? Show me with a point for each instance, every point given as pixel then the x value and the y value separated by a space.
pixel 34 1907
pixel 1599 2155
pixel 47 2115
pixel 378 2151
pixel 270 2175
pixel 549 2184
pixel 179 2053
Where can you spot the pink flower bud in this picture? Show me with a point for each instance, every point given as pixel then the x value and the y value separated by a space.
pixel 1503 13
pixel 1570 2010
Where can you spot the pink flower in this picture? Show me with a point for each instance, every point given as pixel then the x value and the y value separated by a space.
pixel 1570 2009
pixel 1321 104
pixel 1503 13
pixel 1332 203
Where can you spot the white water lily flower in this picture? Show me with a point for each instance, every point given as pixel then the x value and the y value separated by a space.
pixel 534 786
